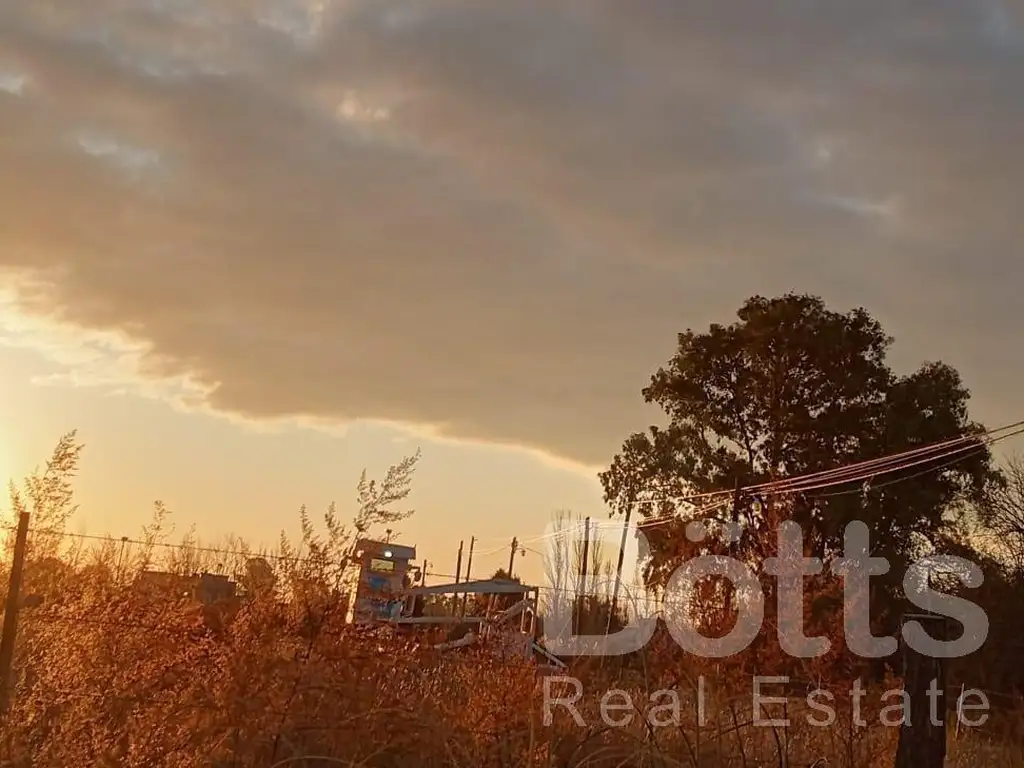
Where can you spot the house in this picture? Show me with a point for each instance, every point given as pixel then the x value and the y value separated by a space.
pixel 382 573
pixel 206 588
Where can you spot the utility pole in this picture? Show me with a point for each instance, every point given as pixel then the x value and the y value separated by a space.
pixel 469 560
pixel 584 570
pixel 469 566
pixel 10 629
pixel 581 593
pixel 512 555
pixel 458 577
pixel 120 559
pixel 618 567
pixel 922 740
pixel 458 564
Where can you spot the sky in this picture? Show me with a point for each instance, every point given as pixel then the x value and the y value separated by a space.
pixel 248 248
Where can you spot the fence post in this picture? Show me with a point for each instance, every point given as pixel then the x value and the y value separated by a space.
pixel 922 742
pixel 10 629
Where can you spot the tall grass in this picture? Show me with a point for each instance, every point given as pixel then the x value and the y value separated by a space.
pixel 109 674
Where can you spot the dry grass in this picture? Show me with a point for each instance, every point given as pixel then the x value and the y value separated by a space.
pixel 109 675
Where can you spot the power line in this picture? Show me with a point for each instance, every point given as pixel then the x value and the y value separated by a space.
pixel 842 476
pixel 864 469
pixel 845 474
pixel 959 448
pixel 195 548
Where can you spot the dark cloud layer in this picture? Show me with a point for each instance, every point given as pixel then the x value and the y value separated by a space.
pixel 492 217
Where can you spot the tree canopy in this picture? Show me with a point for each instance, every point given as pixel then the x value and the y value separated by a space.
pixel 791 388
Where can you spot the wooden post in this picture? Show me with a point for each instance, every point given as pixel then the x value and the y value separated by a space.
pixel 469 566
pixel 618 571
pixel 120 559
pixel 458 578
pixel 458 564
pixel 469 560
pixel 10 629
pixel 581 593
pixel 922 742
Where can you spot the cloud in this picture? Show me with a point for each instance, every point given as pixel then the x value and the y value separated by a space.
pixel 491 218
pixel 13 83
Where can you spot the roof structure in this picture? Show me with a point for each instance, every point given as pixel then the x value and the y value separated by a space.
pixel 397 551
pixel 481 587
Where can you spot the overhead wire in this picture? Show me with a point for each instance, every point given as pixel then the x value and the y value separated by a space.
pixel 827 478
pixel 856 470
pixel 966 445
pixel 952 451
pixel 850 473
pixel 194 548
pixel 958 453
pixel 958 448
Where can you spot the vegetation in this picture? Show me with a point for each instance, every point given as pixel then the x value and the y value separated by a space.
pixel 114 669
pixel 793 388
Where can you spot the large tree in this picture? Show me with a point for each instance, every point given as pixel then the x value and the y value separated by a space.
pixel 794 388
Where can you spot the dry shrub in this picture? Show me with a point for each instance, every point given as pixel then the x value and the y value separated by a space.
pixel 108 674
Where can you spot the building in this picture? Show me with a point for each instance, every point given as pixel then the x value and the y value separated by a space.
pixel 382 572
pixel 206 588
